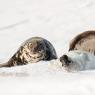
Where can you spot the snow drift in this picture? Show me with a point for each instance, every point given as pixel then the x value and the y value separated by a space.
pixel 56 20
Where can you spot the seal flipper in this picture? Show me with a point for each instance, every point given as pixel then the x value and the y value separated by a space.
pixel 4 65
pixel 10 63
pixel 14 61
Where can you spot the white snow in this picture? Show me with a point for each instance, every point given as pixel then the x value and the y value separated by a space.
pixel 56 20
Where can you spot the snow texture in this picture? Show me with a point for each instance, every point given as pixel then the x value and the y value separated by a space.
pixel 56 20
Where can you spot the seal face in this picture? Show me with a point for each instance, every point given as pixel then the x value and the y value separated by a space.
pixel 77 61
pixel 32 50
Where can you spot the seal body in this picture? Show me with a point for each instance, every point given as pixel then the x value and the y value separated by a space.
pixel 84 41
pixel 78 60
pixel 32 50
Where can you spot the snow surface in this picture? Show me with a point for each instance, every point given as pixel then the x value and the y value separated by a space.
pixel 56 20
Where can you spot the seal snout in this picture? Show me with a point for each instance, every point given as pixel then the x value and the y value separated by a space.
pixel 65 60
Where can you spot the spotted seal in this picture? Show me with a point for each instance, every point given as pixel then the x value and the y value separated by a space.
pixel 32 50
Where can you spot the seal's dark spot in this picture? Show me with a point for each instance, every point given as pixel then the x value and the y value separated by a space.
pixel 65 60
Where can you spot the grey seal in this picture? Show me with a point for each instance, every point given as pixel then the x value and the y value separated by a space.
pixel 32 50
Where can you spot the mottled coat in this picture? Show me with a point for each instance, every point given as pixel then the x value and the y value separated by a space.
pixel 32 50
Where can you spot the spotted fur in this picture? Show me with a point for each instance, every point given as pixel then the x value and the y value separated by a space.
pixel 32 50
